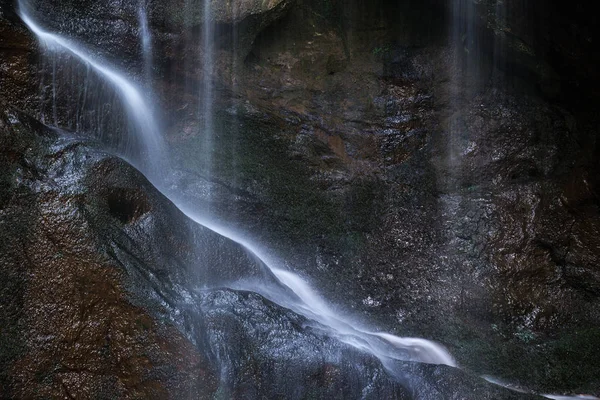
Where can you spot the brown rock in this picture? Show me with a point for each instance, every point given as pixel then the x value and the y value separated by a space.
pixel 70 326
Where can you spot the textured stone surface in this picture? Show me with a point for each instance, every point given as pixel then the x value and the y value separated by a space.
pixel 71 325
pixel 107 294
pixel 17 66
pixel 348 145
pixel 237 11
pixel 430 202
pixel 288 356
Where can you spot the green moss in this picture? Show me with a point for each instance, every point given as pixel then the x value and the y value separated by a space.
pixel 382 51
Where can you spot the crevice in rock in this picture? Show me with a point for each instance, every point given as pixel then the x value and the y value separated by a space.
pixel 127 205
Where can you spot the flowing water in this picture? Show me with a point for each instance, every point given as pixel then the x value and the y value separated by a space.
pixel 140 113
pixel 305 300
pixel 206 112
pixel 382 345
pixel 146 41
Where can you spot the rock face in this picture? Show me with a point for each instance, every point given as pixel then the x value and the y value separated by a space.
pixel 320 366
pixel 101 299
pixel 114 28
pixel 249 18
pixel 437 194
pixel 436 189
pixel 18 76
pixel 59 88
pixel 237 11
pixel 71 327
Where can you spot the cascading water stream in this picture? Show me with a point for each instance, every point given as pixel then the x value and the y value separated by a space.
pixel 146 40
pixel 311 305
pixel 140 113
pixel 207 90
pixel 305 301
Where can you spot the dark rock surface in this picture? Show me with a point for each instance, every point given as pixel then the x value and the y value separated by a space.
pixel 72 325
pixel 18 77
pixel 99 298
pixel 289 357
pixel 453 197
pixel 62 90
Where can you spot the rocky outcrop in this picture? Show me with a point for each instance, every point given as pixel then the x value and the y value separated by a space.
pixel 114 29
pixel 248 18
pixel 96 263
pixel 72 326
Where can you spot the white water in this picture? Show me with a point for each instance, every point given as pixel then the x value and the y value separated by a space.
pixel 137 108
pixel 146 40
pixel 206 111
pixel 382 345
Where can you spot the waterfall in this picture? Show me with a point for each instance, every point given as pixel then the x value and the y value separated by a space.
pixel 146 40
pixel 142 119
pixel 382 345
pixel 306 301
pixel 310 304
pixel 207 90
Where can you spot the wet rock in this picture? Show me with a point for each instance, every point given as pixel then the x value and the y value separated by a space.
pixel 110 28
pixel 288 356
pixel 17 60
pixel 73 325
pixel 235 12
pixel 283 356
pixel 468 216
pixel 556 53
pixel 105 295
pixel 455 213
pixel 95 261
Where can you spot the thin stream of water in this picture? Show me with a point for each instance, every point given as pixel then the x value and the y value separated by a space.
pixel 313 305
pixel 138 109
pixel 146 40
pixel 207 90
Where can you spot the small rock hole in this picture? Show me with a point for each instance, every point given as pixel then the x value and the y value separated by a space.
pixel 127 205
